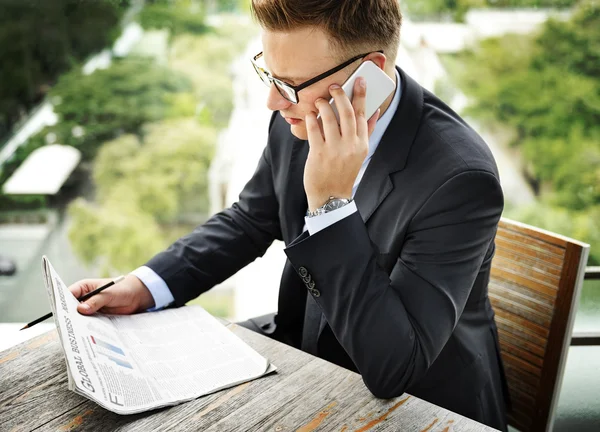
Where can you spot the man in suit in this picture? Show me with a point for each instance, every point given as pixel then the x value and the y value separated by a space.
pixel 389 222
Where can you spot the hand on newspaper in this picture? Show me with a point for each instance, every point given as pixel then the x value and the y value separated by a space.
pixel 124 298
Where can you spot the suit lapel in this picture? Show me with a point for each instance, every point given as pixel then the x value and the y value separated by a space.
pixel 392 153
pixel 374 187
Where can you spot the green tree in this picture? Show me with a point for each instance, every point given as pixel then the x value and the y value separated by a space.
pixel 183 149
pixel 142 187
pixel 550 94
pixel 112 101
pixel 182 16
pixel 117 235
pixel 457 9
pixel 167 169
pixel 40 39
pixel 547 87
pixel 206 61
pixel 158 168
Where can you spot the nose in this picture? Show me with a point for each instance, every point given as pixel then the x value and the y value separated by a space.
pixel 276 102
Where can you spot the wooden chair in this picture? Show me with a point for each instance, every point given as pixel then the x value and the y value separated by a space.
pixel 534 290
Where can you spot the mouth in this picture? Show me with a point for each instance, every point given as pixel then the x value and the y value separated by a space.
pixel 292 120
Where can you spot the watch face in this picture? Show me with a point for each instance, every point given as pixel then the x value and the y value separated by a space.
pixel 335 204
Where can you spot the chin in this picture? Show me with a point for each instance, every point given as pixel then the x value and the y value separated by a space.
pixel 299 131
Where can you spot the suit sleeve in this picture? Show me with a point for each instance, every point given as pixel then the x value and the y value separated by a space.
pixel 394 326
pixel 227 242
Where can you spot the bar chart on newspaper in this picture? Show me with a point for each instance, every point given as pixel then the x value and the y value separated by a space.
pixel 110 351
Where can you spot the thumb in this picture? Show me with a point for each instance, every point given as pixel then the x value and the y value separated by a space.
pixel 93 304
pixel 84 309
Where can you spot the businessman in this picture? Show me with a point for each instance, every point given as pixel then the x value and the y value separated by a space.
pixel 389 222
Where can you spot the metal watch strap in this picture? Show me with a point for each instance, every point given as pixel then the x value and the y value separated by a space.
pixel 332 203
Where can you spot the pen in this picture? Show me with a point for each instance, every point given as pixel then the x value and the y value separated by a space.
pixel 82 298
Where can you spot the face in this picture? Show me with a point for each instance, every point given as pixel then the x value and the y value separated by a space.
pixel 296 57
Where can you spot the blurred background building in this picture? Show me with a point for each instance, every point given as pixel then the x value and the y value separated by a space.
pixel 125 123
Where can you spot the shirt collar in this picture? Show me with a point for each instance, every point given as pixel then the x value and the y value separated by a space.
pixel 386 118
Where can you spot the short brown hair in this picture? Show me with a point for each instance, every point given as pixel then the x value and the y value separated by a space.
pixel 353 25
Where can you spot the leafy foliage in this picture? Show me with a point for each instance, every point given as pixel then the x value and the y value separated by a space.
pixel 101 106
pixel 40 39
pixel 150 131
pixel 116 100
pixel 183 16
pixel 206 61
pixel 457 9
pixel 166 169
pixel 547 87
pixel 117 232
pixel 150 181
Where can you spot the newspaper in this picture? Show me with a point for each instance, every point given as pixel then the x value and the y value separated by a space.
pixel 133 363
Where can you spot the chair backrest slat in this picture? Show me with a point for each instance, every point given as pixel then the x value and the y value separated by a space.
pixel 534 288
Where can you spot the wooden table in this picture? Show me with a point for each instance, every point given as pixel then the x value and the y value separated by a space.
pixel 306 394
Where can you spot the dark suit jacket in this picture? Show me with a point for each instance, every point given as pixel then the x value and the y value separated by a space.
pixel 402 283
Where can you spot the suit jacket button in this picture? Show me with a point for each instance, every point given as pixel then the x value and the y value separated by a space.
pixel 302 272
pixel 315 292
pixel 310 285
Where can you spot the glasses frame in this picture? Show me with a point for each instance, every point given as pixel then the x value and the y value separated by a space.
pixel 295 89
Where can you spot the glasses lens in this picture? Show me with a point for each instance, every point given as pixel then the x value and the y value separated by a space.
pixel 286 91
pixel 261 73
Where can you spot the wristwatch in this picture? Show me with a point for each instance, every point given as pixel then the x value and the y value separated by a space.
pixel 332 203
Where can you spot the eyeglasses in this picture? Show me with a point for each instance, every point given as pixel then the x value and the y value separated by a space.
pixel 289 91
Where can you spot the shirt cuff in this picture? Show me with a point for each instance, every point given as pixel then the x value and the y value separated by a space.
pixel 157 286
pixel 318 223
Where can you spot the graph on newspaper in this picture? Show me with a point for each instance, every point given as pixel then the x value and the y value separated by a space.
pixel 110 351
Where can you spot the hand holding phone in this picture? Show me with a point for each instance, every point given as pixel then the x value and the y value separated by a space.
pixel 379 88
pixel 337 151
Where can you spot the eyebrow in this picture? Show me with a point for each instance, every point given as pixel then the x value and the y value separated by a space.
pixel 288 79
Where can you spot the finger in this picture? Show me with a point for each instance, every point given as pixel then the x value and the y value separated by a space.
pixel 366 128
pixel 93 304
pixel 373 121
pixel 84 286
pixel 331 129
pixel 84 309
pixel 313 130
pixel 359 98
pixel 345 111
pixel 77 289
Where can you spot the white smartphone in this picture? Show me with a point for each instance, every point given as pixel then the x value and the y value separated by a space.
pixel 379 87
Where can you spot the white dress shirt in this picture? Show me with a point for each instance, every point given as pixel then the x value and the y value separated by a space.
pixel 159 289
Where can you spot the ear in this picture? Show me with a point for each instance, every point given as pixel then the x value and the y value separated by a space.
pixel 378 58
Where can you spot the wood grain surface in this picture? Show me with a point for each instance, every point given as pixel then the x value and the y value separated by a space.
pixel 534 288
pixel 306 394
